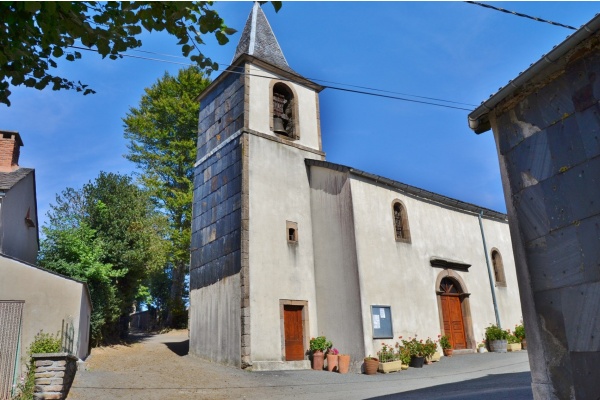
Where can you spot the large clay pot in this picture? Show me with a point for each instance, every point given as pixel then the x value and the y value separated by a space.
pixel 371 365
pixel 448 352
pixel 318 360
pixel 343 363
pixel 417 362
pixel 332 362
pixel 498 346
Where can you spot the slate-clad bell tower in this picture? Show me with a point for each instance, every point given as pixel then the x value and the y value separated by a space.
pixel 252 263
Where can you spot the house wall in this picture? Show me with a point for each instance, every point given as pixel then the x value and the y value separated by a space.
pixel 49 298
pixel 400 275
pixel 19 240
pixel 336 269
pixel 215 322
pixel 278 192
pixel 547 142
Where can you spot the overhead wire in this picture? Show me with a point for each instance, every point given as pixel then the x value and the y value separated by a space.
pixel 521 15
pixel 314 79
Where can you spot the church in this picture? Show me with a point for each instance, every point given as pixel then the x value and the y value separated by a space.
pixel 287 246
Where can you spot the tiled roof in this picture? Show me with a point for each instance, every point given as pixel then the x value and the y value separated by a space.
pixel 258 40
pixel 9 179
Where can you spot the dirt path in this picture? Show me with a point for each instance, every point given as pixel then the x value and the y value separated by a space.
pixel 158 367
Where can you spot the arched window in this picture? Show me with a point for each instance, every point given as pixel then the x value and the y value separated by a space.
pixel 498 268
pixel 401 230
pixel 284 118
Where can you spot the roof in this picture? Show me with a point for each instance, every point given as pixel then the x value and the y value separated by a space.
pixel 412 190
pixel 258 40
pixel 10 179
pixel 549 64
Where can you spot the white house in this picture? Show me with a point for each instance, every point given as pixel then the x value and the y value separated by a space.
pixel 287 246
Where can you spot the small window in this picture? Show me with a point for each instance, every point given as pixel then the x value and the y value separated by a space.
pixel 401 231
pixel 381 318
pixel 292 231
pixel 284 121
pixel 498 268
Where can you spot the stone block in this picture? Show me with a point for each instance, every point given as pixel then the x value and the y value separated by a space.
pixel 531 212
pixel 50 395
pixel 582 326
pixel 46 374
pixel 43 363
pixel 588 126
pixel 586 384
pixel 42 381
pixel 57 381
pixel 579 189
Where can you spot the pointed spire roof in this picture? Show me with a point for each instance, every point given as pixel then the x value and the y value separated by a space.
pixel 258 40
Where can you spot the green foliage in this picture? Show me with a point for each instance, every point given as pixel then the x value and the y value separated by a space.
pixel 162 133
pixel 320 343
pixel 387 353
pixel 513 339
pixel 445 342
pixel 429 347
pixel 415 347
pixel 105 234
pixel 520 332
pixel 493 332
pixel 45 343
pixel 37 35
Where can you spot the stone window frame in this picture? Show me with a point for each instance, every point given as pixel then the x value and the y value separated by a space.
pixel 498 267
pixel 405 238
pixel 305 324
pixel 295 113
pixel 288 226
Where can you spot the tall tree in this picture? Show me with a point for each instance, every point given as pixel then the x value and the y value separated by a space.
pixel 162 133
pixel 107 235
pixel 35 36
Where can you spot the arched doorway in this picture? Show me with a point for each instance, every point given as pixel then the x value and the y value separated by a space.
pixel 451 296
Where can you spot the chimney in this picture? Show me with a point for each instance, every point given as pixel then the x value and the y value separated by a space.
pixel 10 148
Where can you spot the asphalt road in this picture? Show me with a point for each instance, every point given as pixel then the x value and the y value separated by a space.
pixel 158 367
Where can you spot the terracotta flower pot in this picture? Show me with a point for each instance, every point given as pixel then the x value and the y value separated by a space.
pixel 318 361
pixel 332 362
pixel 524 344
pixel 371 365
pixel 448 352
pixel 343 363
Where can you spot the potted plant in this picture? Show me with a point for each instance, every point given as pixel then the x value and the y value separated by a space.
pixel 343 363
pixel 389 360
pixel 371 365
pixel 481 347
pixel 446 346
pixel 318 346
pixel 332 359
pixel 404 354
pixel 429 351
pixel 514 343
pixel 520 333
pixel 496 338
pixel 417 352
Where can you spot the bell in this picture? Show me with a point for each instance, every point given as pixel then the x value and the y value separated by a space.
pixel 278 126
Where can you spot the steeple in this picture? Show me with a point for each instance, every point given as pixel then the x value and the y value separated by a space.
pixel 258 40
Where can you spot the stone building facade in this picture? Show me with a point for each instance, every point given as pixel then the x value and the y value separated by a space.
pixel 287 246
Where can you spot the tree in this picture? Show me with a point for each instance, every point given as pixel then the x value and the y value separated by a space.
pixel 106 234
pixel 35 35
pixel 162 133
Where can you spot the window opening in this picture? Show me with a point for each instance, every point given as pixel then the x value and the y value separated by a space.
pixel 292 235
pixel 448 286
pixel 283 111
pixel 292 231
pixel 400 223
pixel 498 268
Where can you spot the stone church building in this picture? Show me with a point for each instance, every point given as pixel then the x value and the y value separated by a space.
pixel 287 246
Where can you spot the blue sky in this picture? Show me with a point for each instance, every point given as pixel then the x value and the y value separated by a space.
pixel 448 50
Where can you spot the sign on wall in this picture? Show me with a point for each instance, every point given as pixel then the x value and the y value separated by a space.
pixel 381 318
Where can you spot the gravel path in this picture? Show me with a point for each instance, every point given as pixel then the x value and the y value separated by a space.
pixel 158 367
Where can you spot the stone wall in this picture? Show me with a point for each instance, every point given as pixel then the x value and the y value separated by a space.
pixel 54 374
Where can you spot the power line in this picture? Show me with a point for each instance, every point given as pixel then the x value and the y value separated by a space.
pixel 521 15
pixel 325 86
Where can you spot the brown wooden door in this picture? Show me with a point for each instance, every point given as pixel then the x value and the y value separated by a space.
pixel 294 340
pixel 453 320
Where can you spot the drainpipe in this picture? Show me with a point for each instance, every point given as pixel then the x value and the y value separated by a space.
pixel 487 261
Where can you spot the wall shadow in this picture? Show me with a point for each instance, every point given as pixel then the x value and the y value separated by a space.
pixel 513 386
pixel 179 348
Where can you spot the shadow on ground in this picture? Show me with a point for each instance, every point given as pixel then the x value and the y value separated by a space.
pixel 515 386
pixel 179 348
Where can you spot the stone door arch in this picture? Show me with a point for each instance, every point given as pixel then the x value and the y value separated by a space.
pixel 455 310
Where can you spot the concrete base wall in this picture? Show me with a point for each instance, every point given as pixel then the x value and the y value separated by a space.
pixel 215 321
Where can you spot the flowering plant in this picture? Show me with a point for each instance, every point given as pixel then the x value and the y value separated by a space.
pixel 320 343
pixel 333 351
pixel 445 342
pixel 414 346
pixel 520 331
pixel 493 332
pixel 386 354
pixel 429 347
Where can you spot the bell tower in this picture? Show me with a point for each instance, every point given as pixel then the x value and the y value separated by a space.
pixel 252 251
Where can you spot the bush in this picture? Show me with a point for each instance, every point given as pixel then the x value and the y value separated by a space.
pixel 445 342
pixel 493 332
pixel 520 332
pixel 320 343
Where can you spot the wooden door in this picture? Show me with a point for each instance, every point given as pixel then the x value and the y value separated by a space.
pixel 453 321
pixel 294 339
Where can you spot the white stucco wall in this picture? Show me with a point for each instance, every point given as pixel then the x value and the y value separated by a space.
pixel 400 274
pixel 278 192
pixel 49 299
pixel 260 114
pixel 18 240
